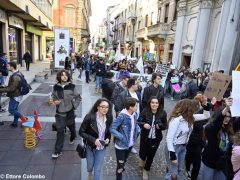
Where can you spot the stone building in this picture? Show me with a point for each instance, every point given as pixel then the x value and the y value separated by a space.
pixel 74 14
pixel 24 25
pixel 207 34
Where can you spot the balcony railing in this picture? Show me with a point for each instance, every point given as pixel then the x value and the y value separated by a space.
pixel 160 29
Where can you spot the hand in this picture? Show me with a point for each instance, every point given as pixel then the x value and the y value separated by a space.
pixel 146 126
pixel 213 101
pixel 57 102
pixel 106 141
pixel 174 162
pixel 97 143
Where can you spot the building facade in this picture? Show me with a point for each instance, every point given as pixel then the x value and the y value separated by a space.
pixel 24 26
pixel 207 34
pixel 74 14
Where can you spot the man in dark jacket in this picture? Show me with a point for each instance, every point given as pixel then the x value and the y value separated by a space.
pixel 3 74
pixel 13 92
pixel 28 58
pixel 108 86
pixel 100 72
pixel 193 88
pixel 155 89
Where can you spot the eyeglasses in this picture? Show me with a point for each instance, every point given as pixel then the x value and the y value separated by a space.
pixel 104 107
pixel 227 116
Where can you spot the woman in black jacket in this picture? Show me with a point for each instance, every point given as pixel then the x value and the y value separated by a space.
pixel 96 135
pixel 28 59
pixel 216 156
pixel 152 121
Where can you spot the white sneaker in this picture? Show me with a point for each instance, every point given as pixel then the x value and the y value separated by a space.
pixel 79 79
pixel 145 175
pixel 133 150
pixel 172 98
pixel 56 155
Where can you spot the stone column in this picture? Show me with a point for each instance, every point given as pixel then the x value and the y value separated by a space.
pixel 229 38
pixel 177 51
pixel 220 34
pixel 201 34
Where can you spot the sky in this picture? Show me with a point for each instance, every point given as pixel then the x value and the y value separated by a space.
pixel 99 8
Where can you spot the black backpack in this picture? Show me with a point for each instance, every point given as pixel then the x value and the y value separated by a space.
pixel 24 87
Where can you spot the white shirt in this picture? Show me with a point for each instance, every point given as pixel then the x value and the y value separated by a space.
pixel 134 95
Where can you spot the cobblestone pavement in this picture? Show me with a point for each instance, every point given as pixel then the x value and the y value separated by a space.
pixel 132 170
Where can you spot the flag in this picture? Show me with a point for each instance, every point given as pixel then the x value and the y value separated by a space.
pixel 139 65
pixel 118 54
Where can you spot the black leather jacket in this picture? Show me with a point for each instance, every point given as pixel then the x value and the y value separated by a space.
pixel 89 130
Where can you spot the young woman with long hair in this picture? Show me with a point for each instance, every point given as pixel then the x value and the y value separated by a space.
pixel 236 156
pixel 216 156
pixel 152 121
pixel 96 135
pixel 179 129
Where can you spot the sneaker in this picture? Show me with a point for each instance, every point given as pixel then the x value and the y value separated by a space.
pixel 71 142
pixel 172 98
pixel 56 155
pixel 145 175
pixel 134 151
pixel 188 174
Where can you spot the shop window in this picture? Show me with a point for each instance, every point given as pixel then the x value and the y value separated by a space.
pixel 12 38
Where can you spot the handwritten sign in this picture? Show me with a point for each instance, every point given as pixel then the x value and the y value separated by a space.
pixel 235 110
pixel 163 69
pixel 217 86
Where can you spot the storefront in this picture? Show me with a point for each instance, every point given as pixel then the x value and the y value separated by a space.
pixel 3 21
pixel 15 39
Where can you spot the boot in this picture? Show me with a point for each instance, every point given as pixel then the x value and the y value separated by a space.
pixel 90 176
pixel 145 175
pixel 141 163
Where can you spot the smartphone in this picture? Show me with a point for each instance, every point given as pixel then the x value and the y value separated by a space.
pixel 102 142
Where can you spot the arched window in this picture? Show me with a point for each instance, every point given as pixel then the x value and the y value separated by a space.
pixel 70 15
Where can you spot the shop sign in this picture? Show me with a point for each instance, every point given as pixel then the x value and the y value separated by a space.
pixel 16 22
pixel 2 16
pixel 62 45
pixel 33 30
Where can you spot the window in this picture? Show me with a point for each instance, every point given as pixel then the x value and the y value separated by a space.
pixel 175 11
pixel 166 13
pixel 159 15
pixel 146 20
pixel 139 24
pixel 152 14
pixel 70 15
pixel 171 46
pixel 170 57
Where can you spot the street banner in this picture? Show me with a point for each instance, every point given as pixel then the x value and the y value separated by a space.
pixel 139 65
pixel 217 85
pixel 144 78
pixel 235 109
pixel 62 45
pixel 163 69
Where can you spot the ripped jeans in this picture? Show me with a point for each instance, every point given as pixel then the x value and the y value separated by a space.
pixel 121 155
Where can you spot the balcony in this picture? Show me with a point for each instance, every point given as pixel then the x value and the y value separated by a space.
pixel 158 30
pixel 141 34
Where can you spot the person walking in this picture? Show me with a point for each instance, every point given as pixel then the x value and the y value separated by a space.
pixel 100 73
pixel 28 59
pixel 108 85
pixel 216 156
pixel 152 120
pixel 13 92
pixel 125 130
pixel 96 135
pixel 3 74
pixel 66 98
pixel 179 129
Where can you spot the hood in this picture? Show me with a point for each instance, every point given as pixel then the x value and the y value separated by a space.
pixel 124 111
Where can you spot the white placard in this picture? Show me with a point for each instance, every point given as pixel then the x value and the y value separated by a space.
pixel 62 45
pixel 235 109
pixel 163 69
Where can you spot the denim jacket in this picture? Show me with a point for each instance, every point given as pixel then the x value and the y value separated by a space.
pixel 121 129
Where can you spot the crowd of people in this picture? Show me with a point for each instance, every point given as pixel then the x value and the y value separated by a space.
pixel 202 138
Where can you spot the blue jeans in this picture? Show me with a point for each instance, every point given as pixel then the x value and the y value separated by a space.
pixel 95 161
pixel 209 173
pixel 173 169
pixel 98 82
pixel 80 73
pixel 13 109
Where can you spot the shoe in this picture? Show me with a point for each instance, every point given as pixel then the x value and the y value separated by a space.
pixel 188 174
pixel 90 176
pixel 13 125
pixel 79 79
pixel 141 163
pixel 56 155
pixel 172 98
pixel 71 142
pixel 134 151
pixel 145 175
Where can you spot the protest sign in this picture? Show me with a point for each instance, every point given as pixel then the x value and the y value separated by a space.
pixel 217 85
pixel 238 67
pixel 176 87
pixel 163 69
pixel 235 109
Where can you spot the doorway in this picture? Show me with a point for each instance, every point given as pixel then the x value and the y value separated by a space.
pixel 186 61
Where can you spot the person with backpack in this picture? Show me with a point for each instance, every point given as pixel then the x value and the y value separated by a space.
pixel 13 91
pixel 66 98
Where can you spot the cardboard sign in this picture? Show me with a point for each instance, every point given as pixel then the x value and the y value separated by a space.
pixel 217 86
pixel 235 109
pixel 163 69
pixel 238 67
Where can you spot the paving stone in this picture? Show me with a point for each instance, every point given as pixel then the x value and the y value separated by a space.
pixel 68 157
pixel 45 171
pixel 6 144
pixel 12 170
pixel 42 157
pixel 16 158
pixel 67 172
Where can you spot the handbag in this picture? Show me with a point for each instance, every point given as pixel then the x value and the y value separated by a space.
pixel 82 151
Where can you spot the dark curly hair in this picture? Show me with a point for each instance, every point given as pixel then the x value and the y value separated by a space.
pixel 59 74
